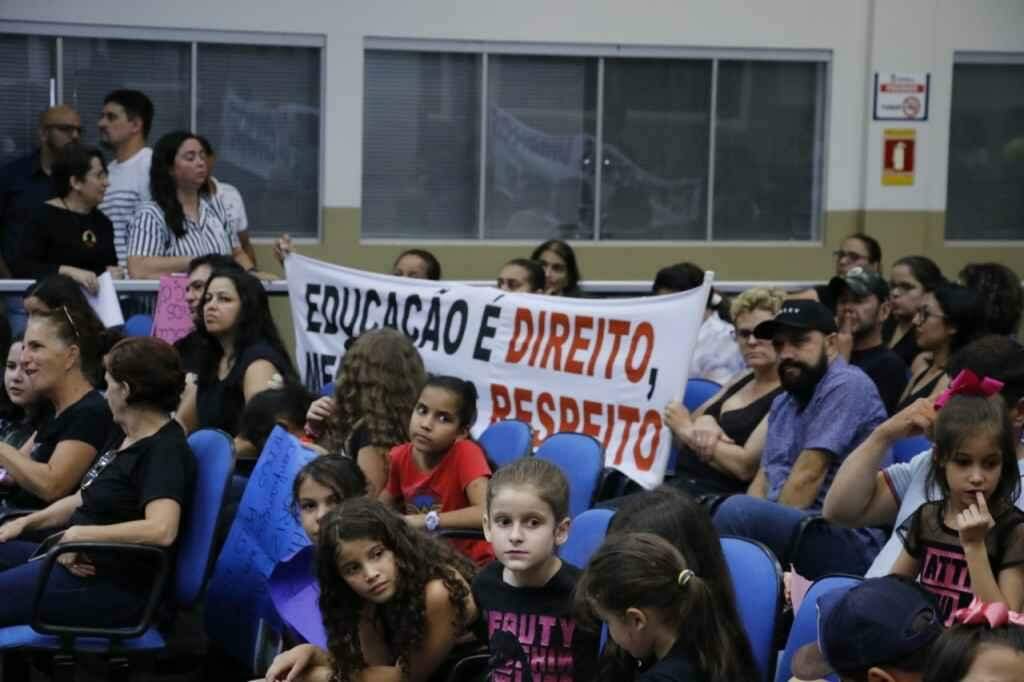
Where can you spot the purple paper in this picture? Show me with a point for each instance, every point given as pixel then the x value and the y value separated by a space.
pixel 295 592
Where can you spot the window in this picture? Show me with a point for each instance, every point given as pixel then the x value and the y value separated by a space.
pixel 985 190
pixel 26 78
pixel 258 102
pixel 699 146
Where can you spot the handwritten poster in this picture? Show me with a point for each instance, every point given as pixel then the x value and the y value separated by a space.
pixel 172 319
pixel 265 531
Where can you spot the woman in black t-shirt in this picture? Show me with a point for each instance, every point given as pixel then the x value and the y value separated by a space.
pixel 69 233
pixel 136 492
pixel 242 354
pixel 51 464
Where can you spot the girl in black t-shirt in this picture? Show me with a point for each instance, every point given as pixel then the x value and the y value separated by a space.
pixel 526 520
pixel 659 610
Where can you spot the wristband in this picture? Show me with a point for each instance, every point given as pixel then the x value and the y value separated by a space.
pixel 432 521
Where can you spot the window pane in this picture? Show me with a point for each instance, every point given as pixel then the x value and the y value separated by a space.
pixel 654 178
pixel 421 145
pixel 985 192
pixel 260 108
pixel 541 122
pixel 769 144
pixel 94 67
pixel 26 67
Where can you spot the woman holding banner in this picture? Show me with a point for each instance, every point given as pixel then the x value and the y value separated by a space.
pixel 242 353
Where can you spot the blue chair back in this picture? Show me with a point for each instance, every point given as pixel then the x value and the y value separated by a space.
pixel 585 535
pixel 138 325
pixel 698 392
pixel 757 580
pixel 506 441
pixel 581 459
pixel 905 449
pixel 215 459
pixel 805 623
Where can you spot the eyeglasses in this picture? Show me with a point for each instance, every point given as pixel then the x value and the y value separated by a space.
pixel 744 334
pixel 105 459
pixel 924 313
pixel 849 255
pixel 74 327
pixel 65 128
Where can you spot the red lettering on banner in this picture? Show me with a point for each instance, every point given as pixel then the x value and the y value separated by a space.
pixel 591 409
pixel 644 462
pixel 618 329
pixel 597 347
pixel 520 397
pixel 501 405
pixel 523 321
pixel 634 372
pixel 540 337
pixel 545 405
pixel 572 365
pixel 558 336
pixel 569 407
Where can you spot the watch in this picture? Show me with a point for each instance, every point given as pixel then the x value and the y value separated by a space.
pixel 432 521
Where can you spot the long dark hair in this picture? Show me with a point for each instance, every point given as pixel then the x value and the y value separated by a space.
pixel 680 519
pixel 419 559
pixel 960 305
pixel 1002 299
pixel 645 571
pixel 161 184
pixel 255 324
pixel 565 252
pixel 924 270
pixel 954 652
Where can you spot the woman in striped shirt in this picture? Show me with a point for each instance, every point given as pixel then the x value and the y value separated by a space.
pixel 183 221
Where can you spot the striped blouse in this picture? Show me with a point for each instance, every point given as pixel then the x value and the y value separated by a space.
pixel 149 235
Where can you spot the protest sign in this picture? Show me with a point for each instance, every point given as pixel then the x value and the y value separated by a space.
pixel 172 319
pixel 604 367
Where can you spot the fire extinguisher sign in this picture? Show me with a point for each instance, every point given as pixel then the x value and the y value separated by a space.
pixel 898 156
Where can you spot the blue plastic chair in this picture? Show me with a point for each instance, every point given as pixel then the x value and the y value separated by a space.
pixel 757 580
pixel 698 392
pixel 138 325
pixel 581 459
pixel 805 623
pixel 905 449
pixel 585 535
pixel 506 441
pixel 214 453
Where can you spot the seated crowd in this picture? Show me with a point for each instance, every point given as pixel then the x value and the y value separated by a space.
pixel 795 451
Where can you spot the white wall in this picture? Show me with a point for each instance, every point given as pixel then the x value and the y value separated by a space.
pixel 899 35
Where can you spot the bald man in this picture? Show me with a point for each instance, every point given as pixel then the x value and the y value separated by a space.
pixel 25 185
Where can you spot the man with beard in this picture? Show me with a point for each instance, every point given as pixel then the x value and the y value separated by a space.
pixel 863 308
pixel 826 410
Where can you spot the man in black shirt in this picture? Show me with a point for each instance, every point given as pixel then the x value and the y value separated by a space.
pixel 863 298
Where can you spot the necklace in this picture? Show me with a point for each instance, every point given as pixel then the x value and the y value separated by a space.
pixel 88 236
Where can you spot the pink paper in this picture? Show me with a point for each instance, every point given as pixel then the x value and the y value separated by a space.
pixel 172 319
pixel 798 586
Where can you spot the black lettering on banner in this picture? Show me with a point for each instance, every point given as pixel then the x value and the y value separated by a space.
pixel 329 307
pixel 327 371
pixel 486 331
pixel 349 326
pixel 410 302
pixel 461 308
pixel 374 297
pixel 320 370
pixel 432 327
pixel 313 369
pixel 391 311
pixel 311 326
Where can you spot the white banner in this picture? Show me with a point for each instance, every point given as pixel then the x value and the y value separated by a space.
pixel 605 367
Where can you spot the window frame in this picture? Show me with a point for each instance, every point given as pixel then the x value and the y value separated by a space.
pixel 193 37
pixel 602 52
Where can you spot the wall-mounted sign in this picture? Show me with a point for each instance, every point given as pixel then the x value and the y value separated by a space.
pixel 898 156
pixel 901 96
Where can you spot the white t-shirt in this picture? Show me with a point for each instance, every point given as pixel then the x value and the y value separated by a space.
pixel 716 356
pixel 907 483
pixel 129 187
pixel 234 207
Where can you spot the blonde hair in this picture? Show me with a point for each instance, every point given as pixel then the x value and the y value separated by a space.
pixel 758 298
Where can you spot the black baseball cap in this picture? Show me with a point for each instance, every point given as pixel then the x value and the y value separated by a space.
pixel 860 283
pixel 881 621
pixel 798 313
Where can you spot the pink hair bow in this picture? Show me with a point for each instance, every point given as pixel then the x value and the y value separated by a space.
pixel 968 383
pixel 979 613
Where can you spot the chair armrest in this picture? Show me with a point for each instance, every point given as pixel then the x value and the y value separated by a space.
pixel 49 560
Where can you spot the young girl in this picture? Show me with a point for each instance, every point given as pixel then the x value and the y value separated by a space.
pixel 322 485
pixel 439 479
pixel 971 542
pixel 659 611
pixel 525 597
pixel 396 604
pixel 988 651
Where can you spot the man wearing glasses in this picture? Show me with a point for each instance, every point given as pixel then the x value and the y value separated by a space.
pixel 24 186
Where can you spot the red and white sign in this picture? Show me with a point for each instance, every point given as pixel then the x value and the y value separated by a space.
pixel 901 96
pixel 898 156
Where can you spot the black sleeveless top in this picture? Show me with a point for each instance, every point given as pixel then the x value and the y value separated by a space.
pixel 906 347
pixel 923 391
pixel 699 478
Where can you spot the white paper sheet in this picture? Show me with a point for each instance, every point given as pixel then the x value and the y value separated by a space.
pixel 105 303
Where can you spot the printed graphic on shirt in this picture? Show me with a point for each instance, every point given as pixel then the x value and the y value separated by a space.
pixel 944 573
pixel 423 500
pixel 530 647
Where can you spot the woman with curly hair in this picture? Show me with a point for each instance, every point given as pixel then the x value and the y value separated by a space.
pixel 380 378
pixel 396 603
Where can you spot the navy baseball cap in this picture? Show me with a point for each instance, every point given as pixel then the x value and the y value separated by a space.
pixel 881 621
pixel 860 283
pixel 798 313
